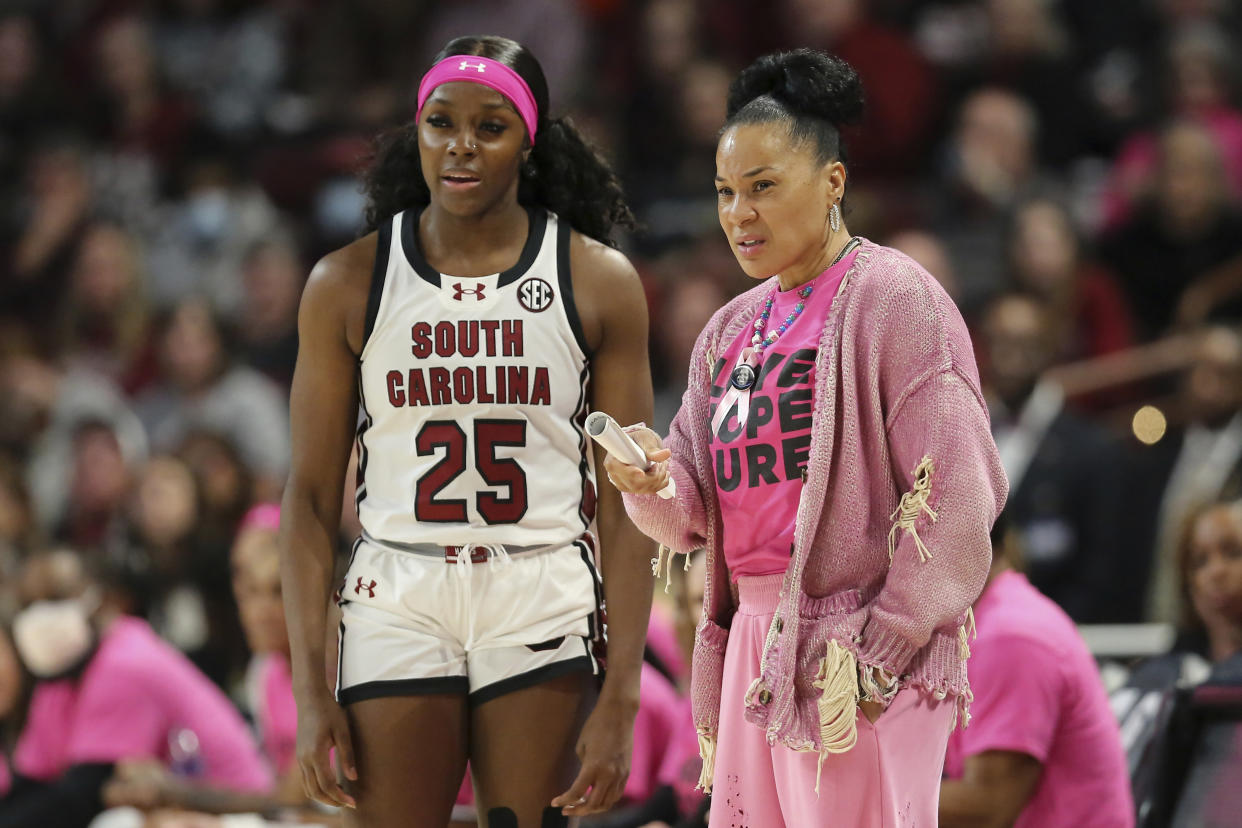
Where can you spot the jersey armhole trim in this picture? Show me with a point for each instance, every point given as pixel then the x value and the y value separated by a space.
pixel 564 233
pixel 379 273
pixel 537 227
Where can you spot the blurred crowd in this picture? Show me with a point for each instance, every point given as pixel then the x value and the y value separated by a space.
pixel 170 170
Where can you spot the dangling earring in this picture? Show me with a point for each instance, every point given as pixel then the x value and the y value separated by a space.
pixel 834 217
pixel 528 169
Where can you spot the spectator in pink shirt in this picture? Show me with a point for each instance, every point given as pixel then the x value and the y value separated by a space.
pixel 109 691
pixel 256 585
pixel 1042 748
pixel 255 564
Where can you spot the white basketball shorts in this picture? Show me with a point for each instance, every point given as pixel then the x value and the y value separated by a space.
pixel 480 620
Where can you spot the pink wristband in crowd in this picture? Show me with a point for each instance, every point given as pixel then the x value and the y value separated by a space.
pixel 488 72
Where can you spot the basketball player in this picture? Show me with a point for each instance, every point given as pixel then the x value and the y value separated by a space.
pixel 475 327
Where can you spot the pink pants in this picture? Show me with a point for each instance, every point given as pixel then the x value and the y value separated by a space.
pixel 890 778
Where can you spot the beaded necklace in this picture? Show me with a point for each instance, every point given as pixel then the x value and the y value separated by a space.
pixel 746 371
pixel 745 374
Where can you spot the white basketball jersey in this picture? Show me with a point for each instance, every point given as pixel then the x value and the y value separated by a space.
pixel 474 397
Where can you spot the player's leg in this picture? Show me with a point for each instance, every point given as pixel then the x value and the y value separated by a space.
pixel 464 814
pixel 522 750
pixel 411 754
pixel 402 680
pixel 533 681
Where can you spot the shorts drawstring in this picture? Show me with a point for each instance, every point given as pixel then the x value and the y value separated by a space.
pixel 465 565
pixel 465 555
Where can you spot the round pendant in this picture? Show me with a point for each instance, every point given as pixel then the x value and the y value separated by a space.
pixel 743 377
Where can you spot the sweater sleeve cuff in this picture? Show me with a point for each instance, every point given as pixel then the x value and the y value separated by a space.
pixel 678 523
pixel 712 636
pixel 884 647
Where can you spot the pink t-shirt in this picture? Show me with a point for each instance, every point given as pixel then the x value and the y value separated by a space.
pixel 759 466
pixel 135 692
pixel 1037 691
pixel 277 714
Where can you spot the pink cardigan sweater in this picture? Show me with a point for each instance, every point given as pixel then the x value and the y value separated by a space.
pixel 891 545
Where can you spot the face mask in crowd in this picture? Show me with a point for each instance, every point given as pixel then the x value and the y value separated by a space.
pixel 54 637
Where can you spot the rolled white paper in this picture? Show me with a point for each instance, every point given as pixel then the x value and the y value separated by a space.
pixel 605 431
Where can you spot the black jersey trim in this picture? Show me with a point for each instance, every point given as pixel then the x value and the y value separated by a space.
pixel 340 653
pixel 364 425
pixel 550 644
pixel 564 233
pixel 595 625
pixel 353 553
pixel 578 423
pixel 379 273
pixel 537 224
pixel 577 664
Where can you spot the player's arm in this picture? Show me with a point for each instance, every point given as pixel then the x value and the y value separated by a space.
pixel 613 310
pixel 994 788
pixel 323 412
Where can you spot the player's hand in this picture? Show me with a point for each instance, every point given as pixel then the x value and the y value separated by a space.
pixel 322 726
pixel 633 480
pixel 604 748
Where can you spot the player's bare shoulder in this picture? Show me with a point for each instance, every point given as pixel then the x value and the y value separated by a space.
pixel 336 292
pixel 607 289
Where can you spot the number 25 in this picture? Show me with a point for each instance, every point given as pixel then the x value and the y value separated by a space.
pixel 495 471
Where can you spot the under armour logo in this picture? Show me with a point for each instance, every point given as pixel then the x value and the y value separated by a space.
pixel 465 64
pixel 360 586
pixel 477 292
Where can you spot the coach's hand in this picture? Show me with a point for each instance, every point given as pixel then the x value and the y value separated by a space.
pixel 634 480
pixel 322 726
pixel 604 748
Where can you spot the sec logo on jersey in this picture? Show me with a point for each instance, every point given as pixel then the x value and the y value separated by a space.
pixel 535 294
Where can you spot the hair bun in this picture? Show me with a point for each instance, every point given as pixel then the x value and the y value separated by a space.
pixel 806 81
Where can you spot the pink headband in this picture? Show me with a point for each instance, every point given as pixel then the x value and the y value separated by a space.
pixel 262 516
pixel 489 73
